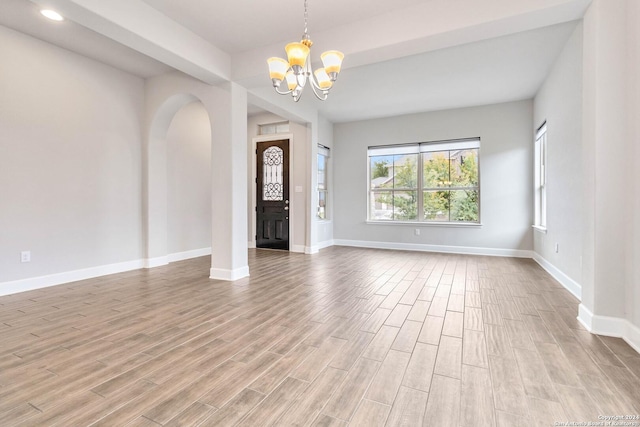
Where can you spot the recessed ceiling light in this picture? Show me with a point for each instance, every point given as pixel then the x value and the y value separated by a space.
pixel 52 14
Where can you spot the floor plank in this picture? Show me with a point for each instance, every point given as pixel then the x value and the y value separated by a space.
pixel 409 408
pixel 387 381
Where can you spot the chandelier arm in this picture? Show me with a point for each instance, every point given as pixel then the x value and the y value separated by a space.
pixel 323 95
pixel 301 79
pixel 282 93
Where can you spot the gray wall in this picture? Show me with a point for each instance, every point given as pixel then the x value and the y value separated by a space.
pixel 189 180
pixel 559 102
pixel 506 159
pixel 70 160
pixel 633 284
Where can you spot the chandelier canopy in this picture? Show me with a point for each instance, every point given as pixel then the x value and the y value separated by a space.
pixel 297 70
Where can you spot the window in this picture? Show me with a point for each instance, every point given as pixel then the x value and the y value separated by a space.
pixel 435 182
pixel 540 177
pixel 323 184
pixel 273 128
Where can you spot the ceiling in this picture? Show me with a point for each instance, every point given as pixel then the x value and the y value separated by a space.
pixel 241 25
pixel 402 57
pixel 24 16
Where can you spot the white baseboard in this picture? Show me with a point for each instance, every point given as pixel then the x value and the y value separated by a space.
pixel 33 283
pixel 155 262
pixel 251 245
pixel 315 249
pixel 325 244
pixel 610 326
pixel 195 253
pixel 569 284
pixel 297 248
pixel 463 250
pixel 229 275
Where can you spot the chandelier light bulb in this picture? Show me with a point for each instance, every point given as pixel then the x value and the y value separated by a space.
pixel 332 61
pixel 323 79
pixel 277 68
pixel 292 82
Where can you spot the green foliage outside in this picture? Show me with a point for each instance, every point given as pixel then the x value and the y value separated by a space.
pixel 405 203
pixel 380 169
pixel 439 174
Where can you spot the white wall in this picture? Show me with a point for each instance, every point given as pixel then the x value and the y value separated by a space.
pixel 70 160
pixel 633 113
pixel 297 176
pixel 189 180
pixel 559 103
pixel 506 157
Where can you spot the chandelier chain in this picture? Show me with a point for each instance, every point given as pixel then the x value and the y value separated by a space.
pixel 306 17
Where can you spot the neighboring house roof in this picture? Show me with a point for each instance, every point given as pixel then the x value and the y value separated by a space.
pixel 380 181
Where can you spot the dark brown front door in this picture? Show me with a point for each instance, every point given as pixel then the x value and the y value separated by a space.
pixel 273 195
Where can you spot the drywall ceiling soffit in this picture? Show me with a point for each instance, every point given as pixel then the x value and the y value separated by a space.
pixel 420 27
pixel 24 16
pixel 370 32
pixel 503 69
pixel 430 56
pixel 140 27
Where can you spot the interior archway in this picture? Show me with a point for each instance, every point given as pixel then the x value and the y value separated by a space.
pixel 159 188
pixel 189 183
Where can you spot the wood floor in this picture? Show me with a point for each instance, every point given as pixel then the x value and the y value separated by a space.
pixel 349 336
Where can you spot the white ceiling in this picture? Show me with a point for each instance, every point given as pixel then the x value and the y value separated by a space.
pixel 241 25
pixel 24 16
pixel 402 57
pixel 491 71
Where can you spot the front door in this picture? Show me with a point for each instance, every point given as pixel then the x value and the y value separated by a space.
pixel 272 195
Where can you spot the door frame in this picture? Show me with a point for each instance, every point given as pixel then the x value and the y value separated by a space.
pixel 253 194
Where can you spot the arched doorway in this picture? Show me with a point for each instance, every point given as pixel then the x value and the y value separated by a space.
pixel 189 183
pixel 226 106
pixel 166 238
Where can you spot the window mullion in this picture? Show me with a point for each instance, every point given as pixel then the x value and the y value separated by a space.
pixel 419 188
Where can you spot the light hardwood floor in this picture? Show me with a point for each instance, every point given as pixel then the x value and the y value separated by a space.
pixel 349 336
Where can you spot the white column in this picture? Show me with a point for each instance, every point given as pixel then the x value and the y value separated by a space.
pixel 605 152
pixel 229 182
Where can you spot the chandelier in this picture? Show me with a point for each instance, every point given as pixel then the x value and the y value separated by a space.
pixel 297 70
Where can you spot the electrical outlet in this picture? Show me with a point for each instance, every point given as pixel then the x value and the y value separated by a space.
pixel 25 256
pixel 417 231
pixel 557 248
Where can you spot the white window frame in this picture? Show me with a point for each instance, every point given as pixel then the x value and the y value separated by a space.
pixel 420 148
pixel 326 153
pixel 540 178
pixel 273 128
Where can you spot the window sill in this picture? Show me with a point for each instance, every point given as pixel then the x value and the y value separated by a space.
pixel 539 229
pixel 427 224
